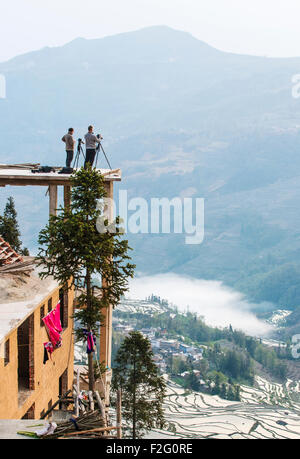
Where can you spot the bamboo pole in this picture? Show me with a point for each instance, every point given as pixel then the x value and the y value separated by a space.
pixel 82 408
pixel 77 393
pixel 101 406
pixel 119 414
pixel 91 399
pixel 82 432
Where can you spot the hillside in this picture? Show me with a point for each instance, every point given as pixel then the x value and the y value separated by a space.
pixel 181 119
pixel 183 343
pixel 263 413
pixel 268 408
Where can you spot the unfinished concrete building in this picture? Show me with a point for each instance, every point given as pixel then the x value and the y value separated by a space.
pixel 29 384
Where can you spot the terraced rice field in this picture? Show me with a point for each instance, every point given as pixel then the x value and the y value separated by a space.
pixel 267 411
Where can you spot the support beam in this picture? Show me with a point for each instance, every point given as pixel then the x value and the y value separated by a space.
pixel 55 404
pixel 106 336
pixel 109 210
pixel 67 197
pixel 52 200
pixel 106 327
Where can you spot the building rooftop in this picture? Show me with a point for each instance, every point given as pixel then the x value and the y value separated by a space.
pixel 7 255
pixel 21 290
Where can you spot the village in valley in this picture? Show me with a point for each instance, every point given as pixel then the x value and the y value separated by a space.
pixel 164 348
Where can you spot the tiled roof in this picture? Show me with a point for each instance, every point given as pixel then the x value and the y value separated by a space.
pixel 7 255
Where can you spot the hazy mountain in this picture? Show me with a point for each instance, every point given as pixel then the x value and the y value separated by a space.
pixel 182 119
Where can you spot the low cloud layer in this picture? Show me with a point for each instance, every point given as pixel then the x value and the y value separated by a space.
pixel 218 304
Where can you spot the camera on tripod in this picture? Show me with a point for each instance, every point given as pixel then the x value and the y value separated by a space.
pixel 79 147
pixel 99 137
pixel 98 149
pixel 79 152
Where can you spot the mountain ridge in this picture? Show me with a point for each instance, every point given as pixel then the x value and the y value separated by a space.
pixel 163 36
pixel 220 126
pixel 162 32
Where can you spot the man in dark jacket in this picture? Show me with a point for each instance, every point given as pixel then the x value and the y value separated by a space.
pixel 70 146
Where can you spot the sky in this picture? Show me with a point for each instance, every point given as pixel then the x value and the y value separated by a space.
pixel 218 304
pixel 257 27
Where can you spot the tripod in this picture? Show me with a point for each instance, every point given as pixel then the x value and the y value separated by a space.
pixel 99 147
pixel 79 152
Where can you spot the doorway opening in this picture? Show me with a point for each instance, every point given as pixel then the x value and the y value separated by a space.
pixel 64 306
pixel 25 358
pixel 63 386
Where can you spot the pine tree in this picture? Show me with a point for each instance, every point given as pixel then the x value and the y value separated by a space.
pixel 223 392
pixel 192 382
pixel 231 394
pixel 216 389
pixel 73 249
pixel 237 391
pixel 142 387
pixel 9 228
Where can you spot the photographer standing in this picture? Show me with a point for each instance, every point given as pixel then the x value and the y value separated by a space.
pixel 70 146
pixel 90 143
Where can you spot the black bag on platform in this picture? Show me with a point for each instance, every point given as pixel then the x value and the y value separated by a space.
pixel 43 169
pixel 66 170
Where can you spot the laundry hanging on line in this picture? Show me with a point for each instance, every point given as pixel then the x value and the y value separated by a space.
pixel 49 349
pixel 90 341
pixel 53 326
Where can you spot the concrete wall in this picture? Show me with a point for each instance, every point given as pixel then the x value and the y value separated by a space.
pixel 45 377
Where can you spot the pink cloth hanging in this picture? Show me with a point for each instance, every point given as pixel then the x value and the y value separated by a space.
pixel 53 326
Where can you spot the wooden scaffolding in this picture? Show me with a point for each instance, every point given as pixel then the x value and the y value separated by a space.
pixel 22 175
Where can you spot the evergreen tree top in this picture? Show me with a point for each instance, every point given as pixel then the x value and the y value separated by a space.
pixel 9 227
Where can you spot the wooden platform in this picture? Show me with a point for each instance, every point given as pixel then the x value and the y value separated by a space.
pixel 23 177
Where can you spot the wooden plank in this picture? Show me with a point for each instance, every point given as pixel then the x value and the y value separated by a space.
pixel 113 172
pixel 44 179
pixel 52 200
pixel 26 166
pixel 34 180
